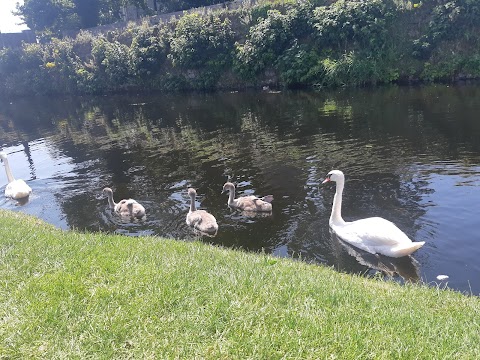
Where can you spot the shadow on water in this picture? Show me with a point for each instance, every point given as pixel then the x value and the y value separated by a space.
pixel 405 268
pixel 409 155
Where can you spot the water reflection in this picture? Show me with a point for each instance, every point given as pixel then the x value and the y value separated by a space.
pixel 409 154
pixel 406 267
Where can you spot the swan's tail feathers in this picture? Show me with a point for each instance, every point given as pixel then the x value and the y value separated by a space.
pixel 267 198
pixel 209 229
pixel 18 194
pixel 409 249
pixel 21 195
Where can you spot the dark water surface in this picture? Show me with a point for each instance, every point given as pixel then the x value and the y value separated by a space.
pixel 410 155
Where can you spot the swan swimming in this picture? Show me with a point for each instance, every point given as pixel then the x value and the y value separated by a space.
pixel 247 203
pixel 126 207
pixel 374 235
pixel 200 220
pixel 16 189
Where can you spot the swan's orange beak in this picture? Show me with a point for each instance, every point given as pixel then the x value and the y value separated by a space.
pixel 326 180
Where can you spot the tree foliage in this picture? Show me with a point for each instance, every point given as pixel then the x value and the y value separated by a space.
pixel 289 43
pixel 52 15
pixel 56 15
pixel 201 40
pixel 149 51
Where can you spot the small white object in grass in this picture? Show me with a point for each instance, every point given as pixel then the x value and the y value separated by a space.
pixel 442 277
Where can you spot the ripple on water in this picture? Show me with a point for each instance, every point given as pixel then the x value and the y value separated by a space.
pixel 402 161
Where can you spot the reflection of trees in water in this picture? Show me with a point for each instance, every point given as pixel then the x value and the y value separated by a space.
pixel 270 143
pixel 26 148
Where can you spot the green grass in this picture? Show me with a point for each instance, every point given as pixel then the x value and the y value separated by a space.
pixel 78 296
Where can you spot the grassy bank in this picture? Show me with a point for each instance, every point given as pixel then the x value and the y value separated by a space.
pixel 73 295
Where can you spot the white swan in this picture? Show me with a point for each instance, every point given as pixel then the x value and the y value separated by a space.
pixel 247 203
pixel 16 189
pixel 200 219
pixel 126 207
pixel 374 235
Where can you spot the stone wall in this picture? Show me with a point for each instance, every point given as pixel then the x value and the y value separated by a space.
pixel 161 18
pixel 15 40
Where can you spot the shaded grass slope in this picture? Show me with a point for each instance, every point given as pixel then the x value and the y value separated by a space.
pixel 74 295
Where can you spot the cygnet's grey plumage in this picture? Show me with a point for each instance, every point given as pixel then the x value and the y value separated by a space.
pixel 126 207
pixel 247 203
pixel 201 220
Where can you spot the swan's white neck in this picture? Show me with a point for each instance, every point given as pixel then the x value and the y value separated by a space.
pixel 336 215
pixel 192 203
pixel 8 171
pixel 110 199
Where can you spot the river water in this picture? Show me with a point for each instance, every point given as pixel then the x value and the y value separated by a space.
pixel 409 154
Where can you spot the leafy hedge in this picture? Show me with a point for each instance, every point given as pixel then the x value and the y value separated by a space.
pixel 288 43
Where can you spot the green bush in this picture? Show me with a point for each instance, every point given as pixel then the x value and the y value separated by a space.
pixel 113 63
pixel 442 71
pixel 448 20
pixel 203 46
pixel 299 65
pixel 33 56
pixel 353 69
pixel 9 61
pixel 471 65
pixel 33 79
pixel 82 45
pixel 273 35
pixel 291 42
pixel 450 66
pixel 16 76
pixel 200 42
pixel 148 52
pixel 347 25
pixel 265 42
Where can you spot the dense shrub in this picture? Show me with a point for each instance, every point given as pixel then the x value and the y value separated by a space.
pixel 201 42
pixel 9 61
pixel 354 24
pixel 113 63
pixel 265 42
pixel 33 56
pixel 148 51
pixel 448 20
pixel 471 66
pixel 299 65
pixel 289 42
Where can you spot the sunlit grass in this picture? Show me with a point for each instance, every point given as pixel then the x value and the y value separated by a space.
pixel 74 295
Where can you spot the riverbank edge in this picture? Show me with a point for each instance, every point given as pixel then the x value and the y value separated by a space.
pixel 72 294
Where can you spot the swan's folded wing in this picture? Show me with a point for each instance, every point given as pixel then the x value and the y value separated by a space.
pixel 352 238
pixel 376 232
pixel 17 189
pixel 267 198
pixel 194 218
pixel 252 203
